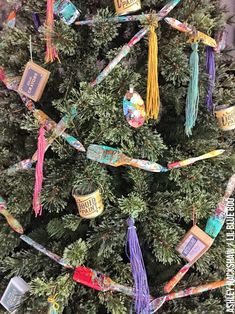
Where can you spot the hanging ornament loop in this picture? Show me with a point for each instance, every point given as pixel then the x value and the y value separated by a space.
pixel 52 301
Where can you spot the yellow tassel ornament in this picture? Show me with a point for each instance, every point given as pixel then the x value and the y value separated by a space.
pixel 153 97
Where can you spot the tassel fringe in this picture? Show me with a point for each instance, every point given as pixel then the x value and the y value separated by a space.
pixel 210 70
pixel 37 206
pixel 142 296
pixel 51 53
pixel 153 97
pixel 193 91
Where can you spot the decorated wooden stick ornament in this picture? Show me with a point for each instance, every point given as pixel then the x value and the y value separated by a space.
pixel 12 222
pixel 46 252
pixel 114 157
pixel 156 304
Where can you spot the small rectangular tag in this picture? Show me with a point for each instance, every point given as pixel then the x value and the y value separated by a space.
pixel 33 81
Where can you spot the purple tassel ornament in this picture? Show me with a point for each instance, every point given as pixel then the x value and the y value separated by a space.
pixel 142 296
pixel 36 21
pixel 210 70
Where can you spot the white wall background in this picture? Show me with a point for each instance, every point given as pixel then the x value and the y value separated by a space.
pixel 230 4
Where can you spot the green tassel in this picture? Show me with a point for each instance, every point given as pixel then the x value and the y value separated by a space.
pixel 193 91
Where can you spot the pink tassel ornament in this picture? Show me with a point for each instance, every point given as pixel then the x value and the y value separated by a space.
pixel 37 206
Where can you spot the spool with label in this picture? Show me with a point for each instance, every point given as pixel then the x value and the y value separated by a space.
pixel 226 117
pixel 89 205
pixel 127 6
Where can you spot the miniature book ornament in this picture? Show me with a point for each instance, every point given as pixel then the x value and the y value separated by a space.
pixel 134 109
pixel 14 294
pixel 33 81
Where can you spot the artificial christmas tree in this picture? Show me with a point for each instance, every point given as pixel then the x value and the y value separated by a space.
pixel 160 203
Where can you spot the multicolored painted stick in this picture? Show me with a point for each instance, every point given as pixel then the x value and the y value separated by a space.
pixel 213 227
pixel 12 222
pixel 190 161
pixel 132 18
pixel 114 157
pixel 205 39
pixel 157 303
pixel 43 250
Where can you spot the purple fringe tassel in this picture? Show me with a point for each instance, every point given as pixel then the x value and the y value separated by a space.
pixel 36 21
pixel 210 70
pixel 142 295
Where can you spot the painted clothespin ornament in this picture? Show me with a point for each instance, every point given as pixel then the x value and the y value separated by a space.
pixel 192 100
pixel 89 205
pixel 225 116
pixel 12 222
pixel 33 81
pixel 127 6
pixel 134 109
pixel 66 11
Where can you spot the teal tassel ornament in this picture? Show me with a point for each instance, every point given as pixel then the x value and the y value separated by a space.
pixel 193 91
